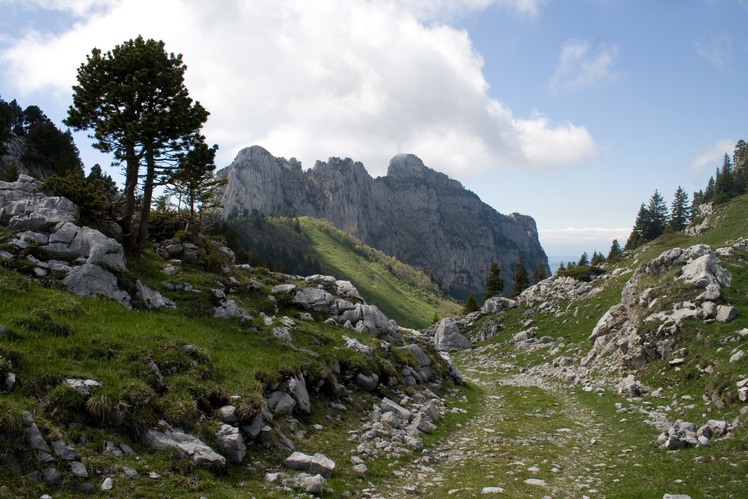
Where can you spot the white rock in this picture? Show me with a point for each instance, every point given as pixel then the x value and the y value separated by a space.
pixel 492 490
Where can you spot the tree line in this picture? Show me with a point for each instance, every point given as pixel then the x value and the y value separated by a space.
pixel 654 219
pixel 495 283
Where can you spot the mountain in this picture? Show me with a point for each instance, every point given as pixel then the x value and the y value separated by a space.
pixel 416 214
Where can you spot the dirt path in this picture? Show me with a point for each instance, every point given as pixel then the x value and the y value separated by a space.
pixel 530 437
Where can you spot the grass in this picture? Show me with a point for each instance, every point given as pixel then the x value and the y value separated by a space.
pixel 52 335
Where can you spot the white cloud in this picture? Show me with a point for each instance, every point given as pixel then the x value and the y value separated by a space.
pixel 576 240
pixel 712 158
pixel 715 48
pixel 444 9
pixel 582 65
pixel 357 78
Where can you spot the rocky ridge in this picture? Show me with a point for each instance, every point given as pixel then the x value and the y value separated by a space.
pixel 418 215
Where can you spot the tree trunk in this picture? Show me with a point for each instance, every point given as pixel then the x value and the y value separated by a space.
pixel 131 184
pixel 145 211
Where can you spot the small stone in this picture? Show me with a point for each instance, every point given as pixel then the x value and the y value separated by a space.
pixel 361 469
pixel 51 475
pixel 107 484
pixel 737 356
pixel 535 481
pixel 78 469
pixel 492 490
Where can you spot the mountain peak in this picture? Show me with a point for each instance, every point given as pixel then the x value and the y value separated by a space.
pixel 406 165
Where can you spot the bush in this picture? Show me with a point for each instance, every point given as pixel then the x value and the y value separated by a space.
pixel 583 273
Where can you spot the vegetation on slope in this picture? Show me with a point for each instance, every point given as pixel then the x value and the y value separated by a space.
pixel 579 434
pixel 49 335
pixel 305 245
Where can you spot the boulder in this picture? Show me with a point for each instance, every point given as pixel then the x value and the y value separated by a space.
pixel 704 270
pixel 391 406
pixel 281 403
pixel 348 290
pixel 447 337
pixel 726 313
pixel 317 464
pixel 314 299
pixel 164 437
pixel 368 382
pixel 232 443
pixel 421 356
pixel 152 299
pixel 297 387
pixel 497 304
pixel 92 280
pixel 24 205
pixel 70 242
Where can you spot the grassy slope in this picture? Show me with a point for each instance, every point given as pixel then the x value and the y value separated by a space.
pixel 400 291
pixel 52 335
pixel 403 293
pixel 626 447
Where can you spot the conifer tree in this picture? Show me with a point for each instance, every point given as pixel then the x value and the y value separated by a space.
pixel 521 279
pixel 658 217
pixel 470 304
pixel 680 211
pixel 724 184
pixel 615 251
pixel 494 282
pixel 561 267
pixel 134 99
pixel 583 260
pixel 540 274
pixel 597 258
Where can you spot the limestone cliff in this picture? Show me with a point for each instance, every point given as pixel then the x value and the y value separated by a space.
pixel 414 213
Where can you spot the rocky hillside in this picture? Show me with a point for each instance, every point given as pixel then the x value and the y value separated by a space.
pixel 155 377
pixel 640 371
pixel 418 215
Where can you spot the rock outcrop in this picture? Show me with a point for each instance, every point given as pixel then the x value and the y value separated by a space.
pixel 89 262
pixel 620 340
pixel 414 213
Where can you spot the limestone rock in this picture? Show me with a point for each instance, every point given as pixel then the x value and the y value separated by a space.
pixel 421 356
pixel 317 464
pixel 297 387
pixel 448 229
pixel 447 337
pixel 232 443
pixel 368 382
pixel 726 313
pixel 24 205
pixel 497 304
pixel 92 280
pixel 164 437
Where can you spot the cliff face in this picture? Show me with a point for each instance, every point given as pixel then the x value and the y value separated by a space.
pixel 414 213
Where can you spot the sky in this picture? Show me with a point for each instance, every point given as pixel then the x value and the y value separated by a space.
pixel 570 111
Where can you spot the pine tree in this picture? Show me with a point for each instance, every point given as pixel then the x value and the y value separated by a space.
pixel 615 251
pixel 540 274
pixel 134 99
pixel 680 212
pixel 470 304
pixel 583 260
pixel 597 259
pixel 494 282
pixel 561 267
pixel 521 279
pixel 724 184
pixel 658 217
pixel 636 238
